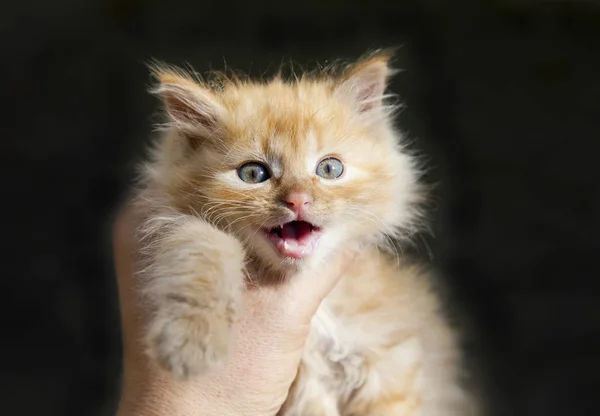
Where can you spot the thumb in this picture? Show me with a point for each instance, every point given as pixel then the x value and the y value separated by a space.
pixel 306 291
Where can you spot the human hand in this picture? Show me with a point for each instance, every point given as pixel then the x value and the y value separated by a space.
pixel 267 344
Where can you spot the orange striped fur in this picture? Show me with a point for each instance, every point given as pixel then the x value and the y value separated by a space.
pixel 379 344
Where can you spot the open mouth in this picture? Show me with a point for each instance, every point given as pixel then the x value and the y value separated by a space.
pixel 295 239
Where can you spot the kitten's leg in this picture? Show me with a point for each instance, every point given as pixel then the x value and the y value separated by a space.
pixel 309 396
pixel 312 393
pixel 405 380
pixel 415 406
pixel 394 407
pixel 388 396
pixel 194 283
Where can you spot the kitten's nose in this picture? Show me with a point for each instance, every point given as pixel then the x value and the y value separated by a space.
pixel 297 201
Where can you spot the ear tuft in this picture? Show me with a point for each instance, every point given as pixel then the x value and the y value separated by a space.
pixel 363 84
pixel 192 108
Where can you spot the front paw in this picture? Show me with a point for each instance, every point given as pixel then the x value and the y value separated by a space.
pixel 189 344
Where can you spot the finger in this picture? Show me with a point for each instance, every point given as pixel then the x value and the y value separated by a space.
pixel 302 294
pixel 124 254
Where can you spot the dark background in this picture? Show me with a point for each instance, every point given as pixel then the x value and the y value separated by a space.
pixel 504 97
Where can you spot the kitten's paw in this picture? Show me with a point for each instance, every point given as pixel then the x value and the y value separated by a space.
pixel 190 345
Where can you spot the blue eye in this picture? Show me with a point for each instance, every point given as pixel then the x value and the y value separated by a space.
pixel 330 168
pixel 253 172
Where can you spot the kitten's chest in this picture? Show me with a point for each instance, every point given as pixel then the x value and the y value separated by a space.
pixel 330 333
pixel 340 330
pixel 335 350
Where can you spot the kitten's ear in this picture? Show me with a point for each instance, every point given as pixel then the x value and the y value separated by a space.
pixel 363 84
pixel 192 109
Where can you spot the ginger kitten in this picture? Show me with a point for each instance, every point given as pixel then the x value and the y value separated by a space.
pixel 280 177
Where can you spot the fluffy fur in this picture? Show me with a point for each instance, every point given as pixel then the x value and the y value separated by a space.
pixel 378 344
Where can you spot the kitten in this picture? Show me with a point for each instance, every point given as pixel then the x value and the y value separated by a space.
pixel 280 177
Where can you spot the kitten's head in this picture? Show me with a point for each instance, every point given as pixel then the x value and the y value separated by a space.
pixel 296 169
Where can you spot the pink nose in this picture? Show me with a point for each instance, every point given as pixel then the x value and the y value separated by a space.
pixel 297 201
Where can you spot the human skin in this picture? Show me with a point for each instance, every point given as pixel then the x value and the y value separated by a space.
pixel 265 352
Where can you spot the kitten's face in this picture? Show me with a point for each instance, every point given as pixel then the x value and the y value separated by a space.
pixel 296 171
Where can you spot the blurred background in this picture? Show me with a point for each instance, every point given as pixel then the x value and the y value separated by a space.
pixel 503 97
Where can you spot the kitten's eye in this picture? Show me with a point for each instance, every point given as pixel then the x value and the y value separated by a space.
pixel 330 168
pixel 253 172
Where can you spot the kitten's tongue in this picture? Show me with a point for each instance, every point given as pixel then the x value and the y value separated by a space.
pixel 297 240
